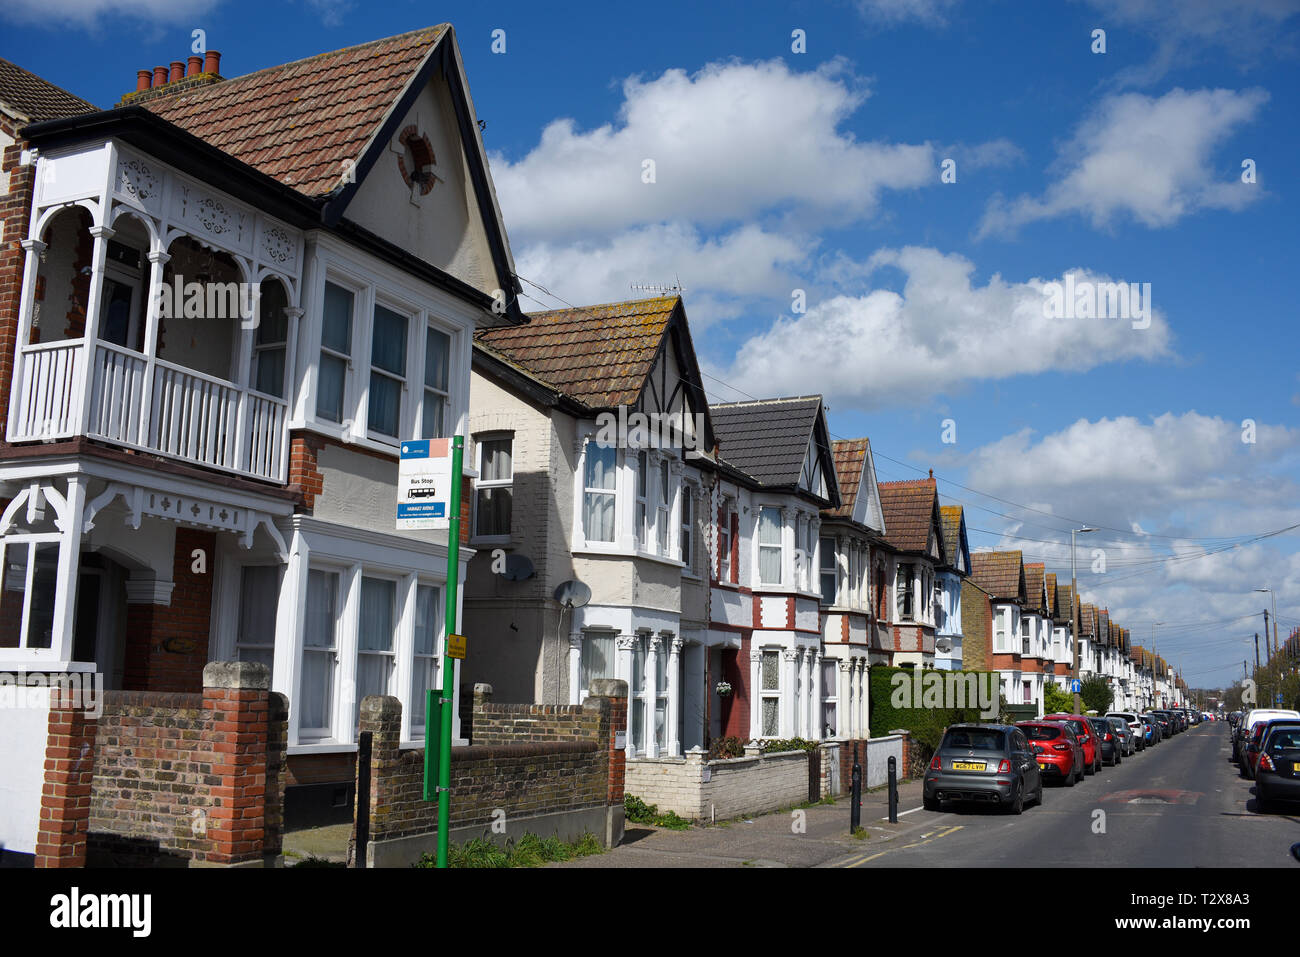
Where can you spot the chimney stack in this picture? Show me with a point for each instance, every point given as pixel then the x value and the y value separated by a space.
pixel 143 78
pixel 213 62
pixel 195 66
pixel 196 71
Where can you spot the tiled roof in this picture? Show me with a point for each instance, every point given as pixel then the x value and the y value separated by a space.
pixel 950 519
pixel 1034 585
pixel 850 459
pixel 301 123
pixel 1053 602
pixel 1087 619
pixel 1001 574
pixel 36 99
pixel 599 355
pixel 1066 610
pixel 1103 626
pixel 768 439
pixel 909 513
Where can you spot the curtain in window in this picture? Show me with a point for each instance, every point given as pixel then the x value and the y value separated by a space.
pixel 336 319
pixel 598 511
pixel 259 594
pixel 597 659
pixel 426 638
pixel 374 636
pixel 319 623
pixel 329 390
pixel 437 359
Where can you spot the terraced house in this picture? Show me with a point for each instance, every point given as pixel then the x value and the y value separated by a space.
pixel 948 628
pixel 1001 575
pixel 191 477
pixel 914 552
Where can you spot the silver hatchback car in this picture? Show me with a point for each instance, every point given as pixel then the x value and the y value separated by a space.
pixel 987 763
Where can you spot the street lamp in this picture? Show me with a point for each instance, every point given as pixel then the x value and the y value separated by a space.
pixel 1074 606
pixel 1154 653
pixel 1273 599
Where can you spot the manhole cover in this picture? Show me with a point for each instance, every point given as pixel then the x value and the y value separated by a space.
pixel 1140 796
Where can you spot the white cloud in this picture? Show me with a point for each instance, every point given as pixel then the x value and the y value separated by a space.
pixel 1148 158
pixel 890 12
pixel 731 143
pixel 92 12
pixel 716 272
pixel 940 333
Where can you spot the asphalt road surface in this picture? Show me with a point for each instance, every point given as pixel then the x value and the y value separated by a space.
pixel 1179 804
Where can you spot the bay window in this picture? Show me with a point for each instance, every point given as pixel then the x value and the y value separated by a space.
pixel 320 654
pixel 771 694
pixel 598 661
pixel 425 671
pixel 662 505
pixel 437 395
pixel 830 697
pixel 642 499
pixel 27 597
pixel 387 372
pixel 904 597
pixel 600 495
pixel 829 572
pixel 687 544
pixel 771 553
pixel 724 546
pixel 375 637
pixel 335 352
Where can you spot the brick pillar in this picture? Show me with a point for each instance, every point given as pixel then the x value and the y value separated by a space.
pixel 65 798
pixel 237 693
pixel 613 723
pixel 381 715
pixel 277 757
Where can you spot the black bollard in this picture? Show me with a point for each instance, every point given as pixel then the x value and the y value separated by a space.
pixel 893 790
pixel 855 801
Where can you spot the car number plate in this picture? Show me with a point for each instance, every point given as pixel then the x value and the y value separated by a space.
pixel 968 765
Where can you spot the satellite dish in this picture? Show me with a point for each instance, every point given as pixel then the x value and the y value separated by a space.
pixel 519 568
pixel 943 644
pixel 572 594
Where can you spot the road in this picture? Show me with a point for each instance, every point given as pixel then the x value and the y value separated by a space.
pixel 1179 804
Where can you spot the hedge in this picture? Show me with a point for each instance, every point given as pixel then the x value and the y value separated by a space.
pixel 925 724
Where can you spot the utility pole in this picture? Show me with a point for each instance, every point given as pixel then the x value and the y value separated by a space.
pixel 1074 607
pixel 1257 674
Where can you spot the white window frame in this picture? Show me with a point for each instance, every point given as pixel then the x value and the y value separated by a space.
pixel 421 428
pixel 686 525
pixel 347 398
pixel 761 545
pixel 584 539
pixel 724 545
pixel 281 345
pixel 641 495
pixel 830 695
pixel 766 693
pixel 32 540
pixel 392 653
pixel 319 735
pixel 605 634
pixel 908 591
pixel 663 507
pixel 382 300
pixel 435 657
pixel 484 484
pixel 823 571
pixel 238 643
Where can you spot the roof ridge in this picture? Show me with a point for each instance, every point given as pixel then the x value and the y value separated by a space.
pixel 784 398
pixel 605 305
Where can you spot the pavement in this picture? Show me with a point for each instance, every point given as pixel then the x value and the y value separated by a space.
pixel 1178 804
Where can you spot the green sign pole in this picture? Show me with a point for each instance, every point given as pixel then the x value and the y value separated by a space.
pixel 448 662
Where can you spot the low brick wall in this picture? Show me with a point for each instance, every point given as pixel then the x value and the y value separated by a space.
pixel 544 769
pixel 702 790
pixel 189 778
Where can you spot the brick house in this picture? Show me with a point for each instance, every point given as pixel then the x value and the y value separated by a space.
pixel 765 595
pixel 560 499
pixel 849 533
pixel 235 302
pixel 1002 576
pixel 913 552
pixel 1036 659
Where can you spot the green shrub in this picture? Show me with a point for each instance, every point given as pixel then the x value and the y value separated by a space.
pixel 777 745
pixel 728 747
pixel 638 812
pixel 529 851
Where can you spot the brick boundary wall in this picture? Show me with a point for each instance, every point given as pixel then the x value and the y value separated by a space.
pixel 547 767
pixel 169 778
pixel 699 789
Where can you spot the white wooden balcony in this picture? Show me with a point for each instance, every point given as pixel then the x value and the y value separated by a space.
pixel 176 412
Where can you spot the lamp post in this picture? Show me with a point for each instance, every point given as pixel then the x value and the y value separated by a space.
pixel 1273 599
pixel 1074 607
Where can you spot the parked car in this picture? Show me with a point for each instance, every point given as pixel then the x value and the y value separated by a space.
pixel 1246 728
pixel 1057 750
pixel 1152 728
pixel 1111 747
pixel 989 763
pixel 1087 739
pixel 1277 777
pixel 1128 745
pixel 1251 751
pixel 1133 721
pixel 1166 722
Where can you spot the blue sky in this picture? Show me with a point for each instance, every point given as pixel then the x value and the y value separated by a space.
pixel 819 171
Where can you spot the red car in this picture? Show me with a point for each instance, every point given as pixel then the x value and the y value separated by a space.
pixel 1056 749
pixel 1087 739
pixel 1250 766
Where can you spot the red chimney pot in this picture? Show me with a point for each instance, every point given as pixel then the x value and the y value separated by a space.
pixel 213 62
pixel 159 76
pixel 195 66
pixel 178 71
pixel 143 78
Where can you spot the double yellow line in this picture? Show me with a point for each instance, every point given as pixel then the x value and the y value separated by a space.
pixel 864 858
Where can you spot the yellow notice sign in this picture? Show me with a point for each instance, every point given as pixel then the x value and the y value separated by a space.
pixel 456 646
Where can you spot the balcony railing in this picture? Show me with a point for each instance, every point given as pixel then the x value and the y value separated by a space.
pixel 176 412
